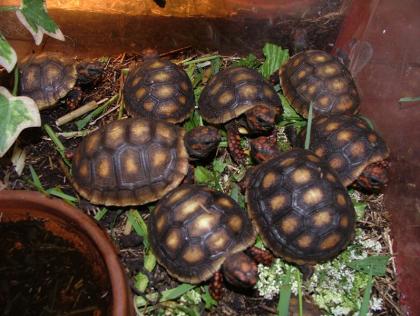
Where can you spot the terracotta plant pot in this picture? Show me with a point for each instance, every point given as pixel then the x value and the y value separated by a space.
pixel 81 231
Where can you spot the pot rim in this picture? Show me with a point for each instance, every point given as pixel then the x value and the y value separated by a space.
pixel 121 296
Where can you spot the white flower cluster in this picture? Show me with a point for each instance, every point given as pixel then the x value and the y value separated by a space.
pixel 335 287
pixel 270 279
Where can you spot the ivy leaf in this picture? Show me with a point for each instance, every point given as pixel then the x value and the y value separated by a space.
pixel 275 56
pixel 33 15
pixel 16 114
pixel 8 56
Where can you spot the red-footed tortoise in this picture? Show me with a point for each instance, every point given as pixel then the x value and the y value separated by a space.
pixel 300 208
pixel 352 148
pixel 137 160
pixel 195 232
pixel 158 89
pixel 240 93
pixel 49 77
pixel 318 77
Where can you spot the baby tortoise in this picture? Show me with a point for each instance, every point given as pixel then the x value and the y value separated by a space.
pixel 318 77
pixel 48 77
pixel 196 232
pixel 135 161
pixel 300 208
pixel 240 93
pixel 355 151
pixel 158 89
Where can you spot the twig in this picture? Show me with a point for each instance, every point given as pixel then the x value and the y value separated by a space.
pixel 76 113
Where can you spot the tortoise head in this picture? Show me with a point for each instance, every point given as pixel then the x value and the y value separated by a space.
pixel 149 53
pixel 201 141
pixel 263 148
pixel 374 177
pixel 261 118
pixel 240 270
pixel 89 72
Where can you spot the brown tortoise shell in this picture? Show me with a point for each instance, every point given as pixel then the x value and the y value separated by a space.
pixel 347 143
pixel 318 77
pixel 46 78
pixel 130 162
pixel 234 91
pixel 300 208
pixel 193 229
pixel 159 89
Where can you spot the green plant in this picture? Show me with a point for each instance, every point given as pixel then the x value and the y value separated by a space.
pixel 18 113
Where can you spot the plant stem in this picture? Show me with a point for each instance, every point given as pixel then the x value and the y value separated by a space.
pixel 308 128
pixel 15 81
pixel 299 281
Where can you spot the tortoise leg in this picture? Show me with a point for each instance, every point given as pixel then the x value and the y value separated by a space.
pixel 74 97
pixel 264 148
pixel 215 287
pixel 307 271
pixel 261 256
pixel 189 178
pixel 234 143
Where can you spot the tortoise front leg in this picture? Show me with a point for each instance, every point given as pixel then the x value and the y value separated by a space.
pixel 261 256
pixel 216 285
pixel 234 143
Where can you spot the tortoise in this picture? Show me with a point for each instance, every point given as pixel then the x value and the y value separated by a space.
pixel 352 148
pixel 318 77
pixel 242 93
pixel 158 89
pixel 196 232
pixel 135 161
pixel 300 208
pixel 48 77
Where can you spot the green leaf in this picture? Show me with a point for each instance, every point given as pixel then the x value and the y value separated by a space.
pixel 237 195
pixel 149 260
pixel 309 127
pixel 250 61
pixel 141 281
pixel 215 65
pixel 290 116
pixel 59 193
pixel 16 114
pixel 35 180
pixel 364 306
pixel 98 111
pixel 139 225
pixel 203 175
pixel 219 165
pixel 102 212
pixel 360 208
pixel 166 295
pixel 209 301
pixel 284 300
pixel 58 144
pixel 275 56
pixel 8 56
pixel 194 121
pixel 375 265
pixel 33 15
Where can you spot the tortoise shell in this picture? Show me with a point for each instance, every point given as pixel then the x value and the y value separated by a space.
pixel 159 89
pixel 193 229
pixel 318 77
pixel 234 91
pixel 130 162
pixel 46 78
pixel 347 143
pixel 300 208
